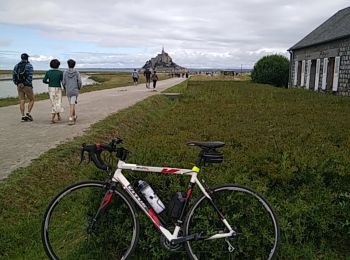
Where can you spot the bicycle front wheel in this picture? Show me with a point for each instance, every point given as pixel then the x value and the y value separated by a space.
pixel 69 232
pixel 248 214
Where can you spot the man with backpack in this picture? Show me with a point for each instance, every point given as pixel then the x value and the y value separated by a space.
pixel 22 77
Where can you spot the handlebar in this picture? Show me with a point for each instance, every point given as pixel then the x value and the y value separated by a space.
pixel 95 150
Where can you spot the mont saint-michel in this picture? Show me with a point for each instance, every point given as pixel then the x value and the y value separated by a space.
pixel 163 63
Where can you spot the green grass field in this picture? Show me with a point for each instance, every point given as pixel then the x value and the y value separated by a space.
pixel 292 146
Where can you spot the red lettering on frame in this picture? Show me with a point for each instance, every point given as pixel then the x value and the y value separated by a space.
pixel 169 170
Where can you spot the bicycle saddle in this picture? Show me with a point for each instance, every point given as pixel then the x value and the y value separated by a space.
pixel 208 145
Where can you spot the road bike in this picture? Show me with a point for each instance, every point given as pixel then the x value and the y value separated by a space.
pixel 98 219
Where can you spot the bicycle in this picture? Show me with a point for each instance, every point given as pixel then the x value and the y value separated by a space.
pixel 225 222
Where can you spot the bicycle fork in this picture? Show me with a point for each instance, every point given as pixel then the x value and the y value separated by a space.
pixel 103 205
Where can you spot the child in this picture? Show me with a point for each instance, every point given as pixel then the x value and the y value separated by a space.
pixel 154 79
pixel 72 84
pixel 135 77
pixel 53 77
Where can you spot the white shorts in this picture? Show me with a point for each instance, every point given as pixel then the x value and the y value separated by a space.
pixel 73 100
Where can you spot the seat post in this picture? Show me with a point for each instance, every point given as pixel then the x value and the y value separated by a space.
pixel 200 159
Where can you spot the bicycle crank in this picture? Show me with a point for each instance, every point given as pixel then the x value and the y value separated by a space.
pixel 169 246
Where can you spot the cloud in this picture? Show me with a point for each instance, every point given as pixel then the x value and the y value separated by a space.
pixel 195 33
pixel 41 58
pixel 5 43
pixel 266 51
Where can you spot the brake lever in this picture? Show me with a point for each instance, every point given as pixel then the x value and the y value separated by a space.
pixel 82 153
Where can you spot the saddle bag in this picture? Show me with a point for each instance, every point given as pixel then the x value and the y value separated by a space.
pixel 213 156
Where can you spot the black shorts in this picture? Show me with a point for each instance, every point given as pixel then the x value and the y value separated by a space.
pixel 135 79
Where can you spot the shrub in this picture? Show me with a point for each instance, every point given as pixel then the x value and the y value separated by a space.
pixel 272 70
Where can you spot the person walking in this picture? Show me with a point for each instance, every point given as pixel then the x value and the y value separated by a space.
pixel 135 77
pixel 72 84
pixel 154 79
pixel 22 76
pixel 147 74
pixel 54 78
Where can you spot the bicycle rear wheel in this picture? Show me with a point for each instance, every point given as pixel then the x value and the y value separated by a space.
pixel 67 232
pixel 246 211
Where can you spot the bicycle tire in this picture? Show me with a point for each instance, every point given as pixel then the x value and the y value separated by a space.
pixel 66 223
pixel 248 213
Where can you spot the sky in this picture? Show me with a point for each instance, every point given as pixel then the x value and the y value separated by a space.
pixel 125 34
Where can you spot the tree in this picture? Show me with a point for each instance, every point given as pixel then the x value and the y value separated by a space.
pixel 272 69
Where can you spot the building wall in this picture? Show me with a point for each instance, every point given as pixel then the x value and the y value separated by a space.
pixel 309 56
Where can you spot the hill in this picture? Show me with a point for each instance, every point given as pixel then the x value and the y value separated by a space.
pixel 163 63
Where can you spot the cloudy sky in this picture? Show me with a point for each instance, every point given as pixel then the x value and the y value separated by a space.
pixel 127 33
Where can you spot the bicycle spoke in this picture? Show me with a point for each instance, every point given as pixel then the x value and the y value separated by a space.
pixel 69 234
pixel 254 223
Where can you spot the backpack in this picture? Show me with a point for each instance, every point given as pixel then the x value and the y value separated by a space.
pixel 154 77
pixel 20 72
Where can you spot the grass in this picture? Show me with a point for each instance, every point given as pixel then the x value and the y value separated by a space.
pixel 105 80
pixel 7 72
pixel 221 77
pixel 179 88
pixel 291 145
pixel 113 80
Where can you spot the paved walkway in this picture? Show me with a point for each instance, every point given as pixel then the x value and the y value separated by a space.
pixel 20 142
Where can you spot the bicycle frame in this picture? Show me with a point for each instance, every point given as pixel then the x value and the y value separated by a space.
pixel 119 177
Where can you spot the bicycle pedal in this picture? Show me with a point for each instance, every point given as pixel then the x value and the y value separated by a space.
pixel 230 247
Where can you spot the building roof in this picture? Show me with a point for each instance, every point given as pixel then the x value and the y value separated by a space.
pixel 336 27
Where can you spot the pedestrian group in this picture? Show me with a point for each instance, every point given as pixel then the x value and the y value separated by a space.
pixel 68 81
pixel 149 75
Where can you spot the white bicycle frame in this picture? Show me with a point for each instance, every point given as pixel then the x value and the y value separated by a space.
pixel 119 177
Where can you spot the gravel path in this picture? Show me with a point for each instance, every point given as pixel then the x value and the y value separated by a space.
pixel 21 142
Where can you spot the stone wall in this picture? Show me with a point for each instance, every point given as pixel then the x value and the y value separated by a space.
pixel 332 49
pixel 344 69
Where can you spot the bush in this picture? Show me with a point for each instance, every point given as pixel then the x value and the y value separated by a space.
pixel 272 70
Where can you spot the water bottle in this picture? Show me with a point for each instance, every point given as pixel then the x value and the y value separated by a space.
pixel 151 196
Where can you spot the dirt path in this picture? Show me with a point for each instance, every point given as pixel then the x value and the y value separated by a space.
pixel 21 142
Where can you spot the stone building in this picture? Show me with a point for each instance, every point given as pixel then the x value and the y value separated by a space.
pixel 321 60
